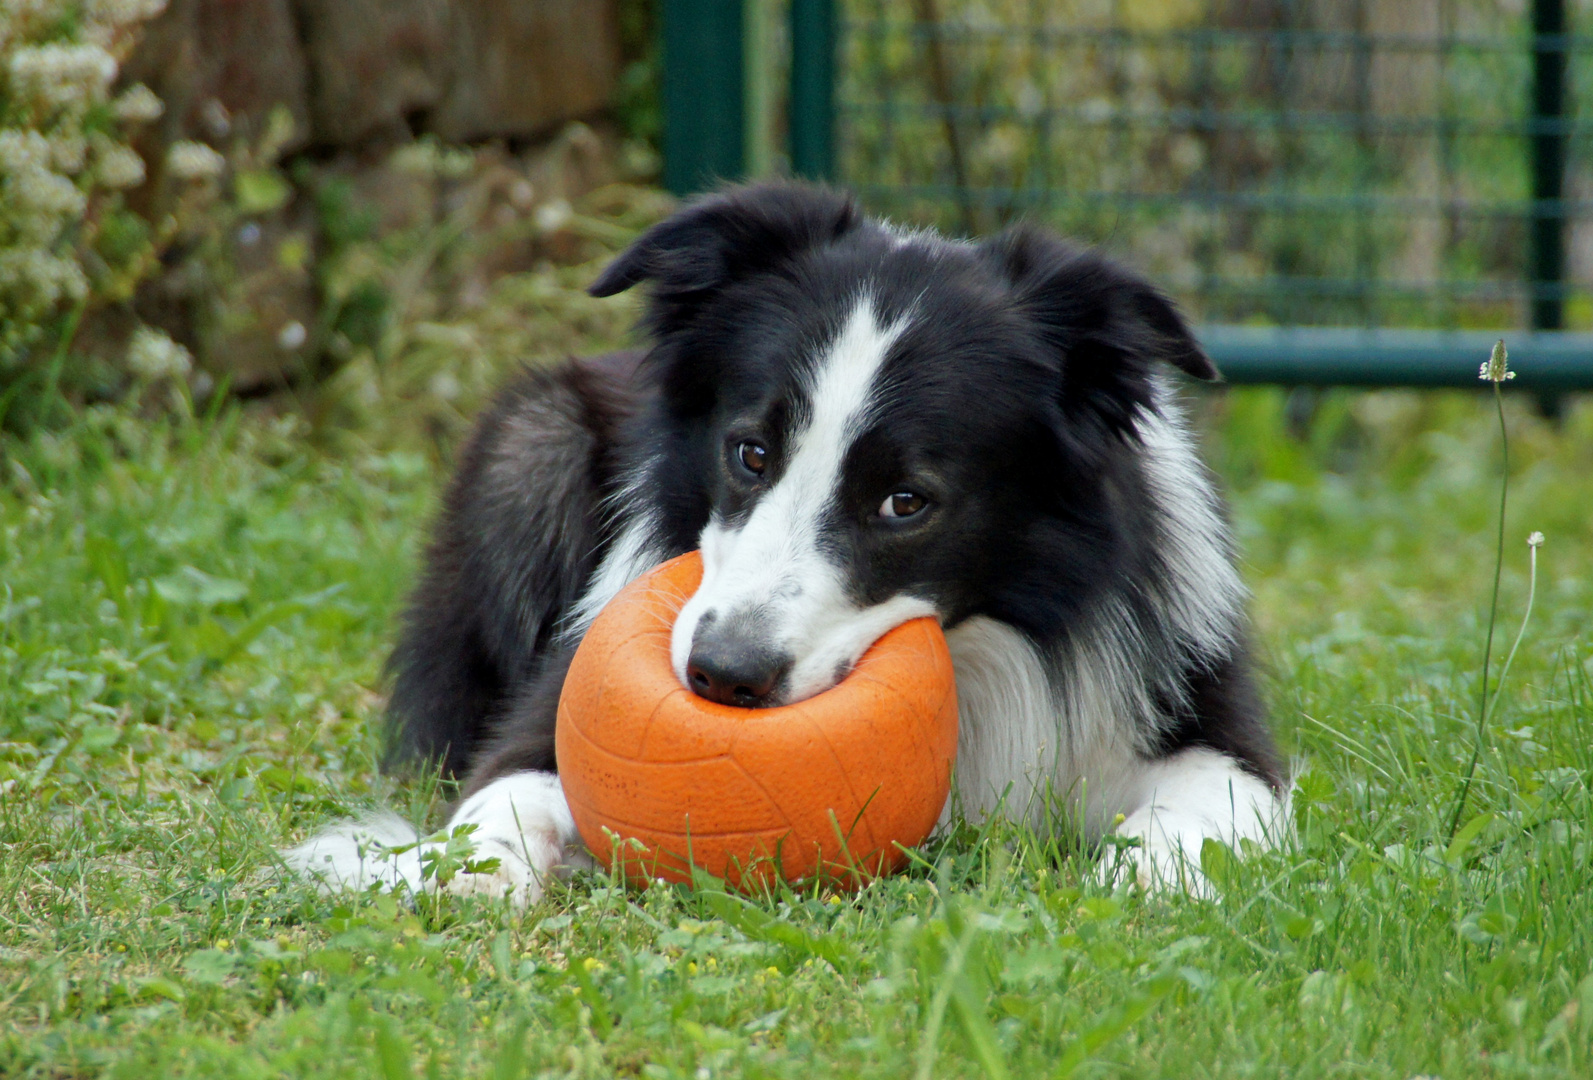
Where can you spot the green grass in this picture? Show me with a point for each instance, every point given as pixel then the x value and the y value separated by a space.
pixel 192 624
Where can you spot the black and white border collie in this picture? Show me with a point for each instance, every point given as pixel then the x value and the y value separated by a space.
pixel 857 425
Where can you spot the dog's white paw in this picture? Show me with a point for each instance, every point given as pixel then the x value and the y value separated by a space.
pixel 1165 857
pixel 379 850
pixel 523 823
pixel 1192 796
pixel 524 865
pixel 522 836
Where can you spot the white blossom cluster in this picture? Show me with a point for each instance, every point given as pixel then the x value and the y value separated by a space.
pixel 50 77
pixel 138 105
pixel 117 165
pixel 152 356
pixel 55 159
pixel 193 161
pixel 38 206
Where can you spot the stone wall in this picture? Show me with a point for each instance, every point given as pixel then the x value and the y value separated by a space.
pixel 357 72
pixel 379 92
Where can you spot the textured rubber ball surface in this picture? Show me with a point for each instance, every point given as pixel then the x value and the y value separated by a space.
pixel 828 785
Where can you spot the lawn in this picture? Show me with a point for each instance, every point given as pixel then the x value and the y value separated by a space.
pixel 192 625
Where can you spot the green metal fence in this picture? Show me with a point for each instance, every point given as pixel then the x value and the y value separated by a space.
pixel 1336 189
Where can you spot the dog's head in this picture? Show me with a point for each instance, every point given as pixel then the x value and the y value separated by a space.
pixel 868 425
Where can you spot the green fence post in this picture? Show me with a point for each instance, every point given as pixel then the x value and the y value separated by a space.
pixel 812 118
pixel 1550 53
pixel 1546 267
pixel 704 92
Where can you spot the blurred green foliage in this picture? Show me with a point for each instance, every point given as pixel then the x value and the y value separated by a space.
pixel 636 103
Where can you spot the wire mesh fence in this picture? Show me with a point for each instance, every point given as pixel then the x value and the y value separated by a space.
pixel 1351 163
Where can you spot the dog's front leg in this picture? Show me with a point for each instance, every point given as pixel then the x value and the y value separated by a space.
pixel 512 798
pixel 516 802
pixel 522 821
pixel 1189 796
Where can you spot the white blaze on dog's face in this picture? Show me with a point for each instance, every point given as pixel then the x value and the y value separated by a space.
pixel 777 617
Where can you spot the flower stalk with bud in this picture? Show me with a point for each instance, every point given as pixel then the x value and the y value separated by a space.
pixel 1496 371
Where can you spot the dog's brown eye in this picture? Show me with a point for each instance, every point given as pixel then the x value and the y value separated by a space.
pixel 753 457
pixel 903 504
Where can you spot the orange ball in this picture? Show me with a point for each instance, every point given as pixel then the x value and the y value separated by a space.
pixel 828 785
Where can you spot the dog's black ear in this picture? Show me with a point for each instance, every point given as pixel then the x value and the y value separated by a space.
pixel 1109 326
pixel 724 236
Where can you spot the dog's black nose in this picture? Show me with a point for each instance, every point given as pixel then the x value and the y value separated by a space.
pixel 732 673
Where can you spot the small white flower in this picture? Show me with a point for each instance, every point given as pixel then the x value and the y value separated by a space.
pixel 47 195
pixel 42 278
pixel 1535 539
pixel 138 105
pixel 119 166
pixel 445 386
pixel 68 152
pixel 21 151
pixel 194 161
pixel 292 335
pixel 153 356
pixel 553 216
pixel 1497 367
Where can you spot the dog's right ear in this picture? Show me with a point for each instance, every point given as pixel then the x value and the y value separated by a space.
pixel 726 236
